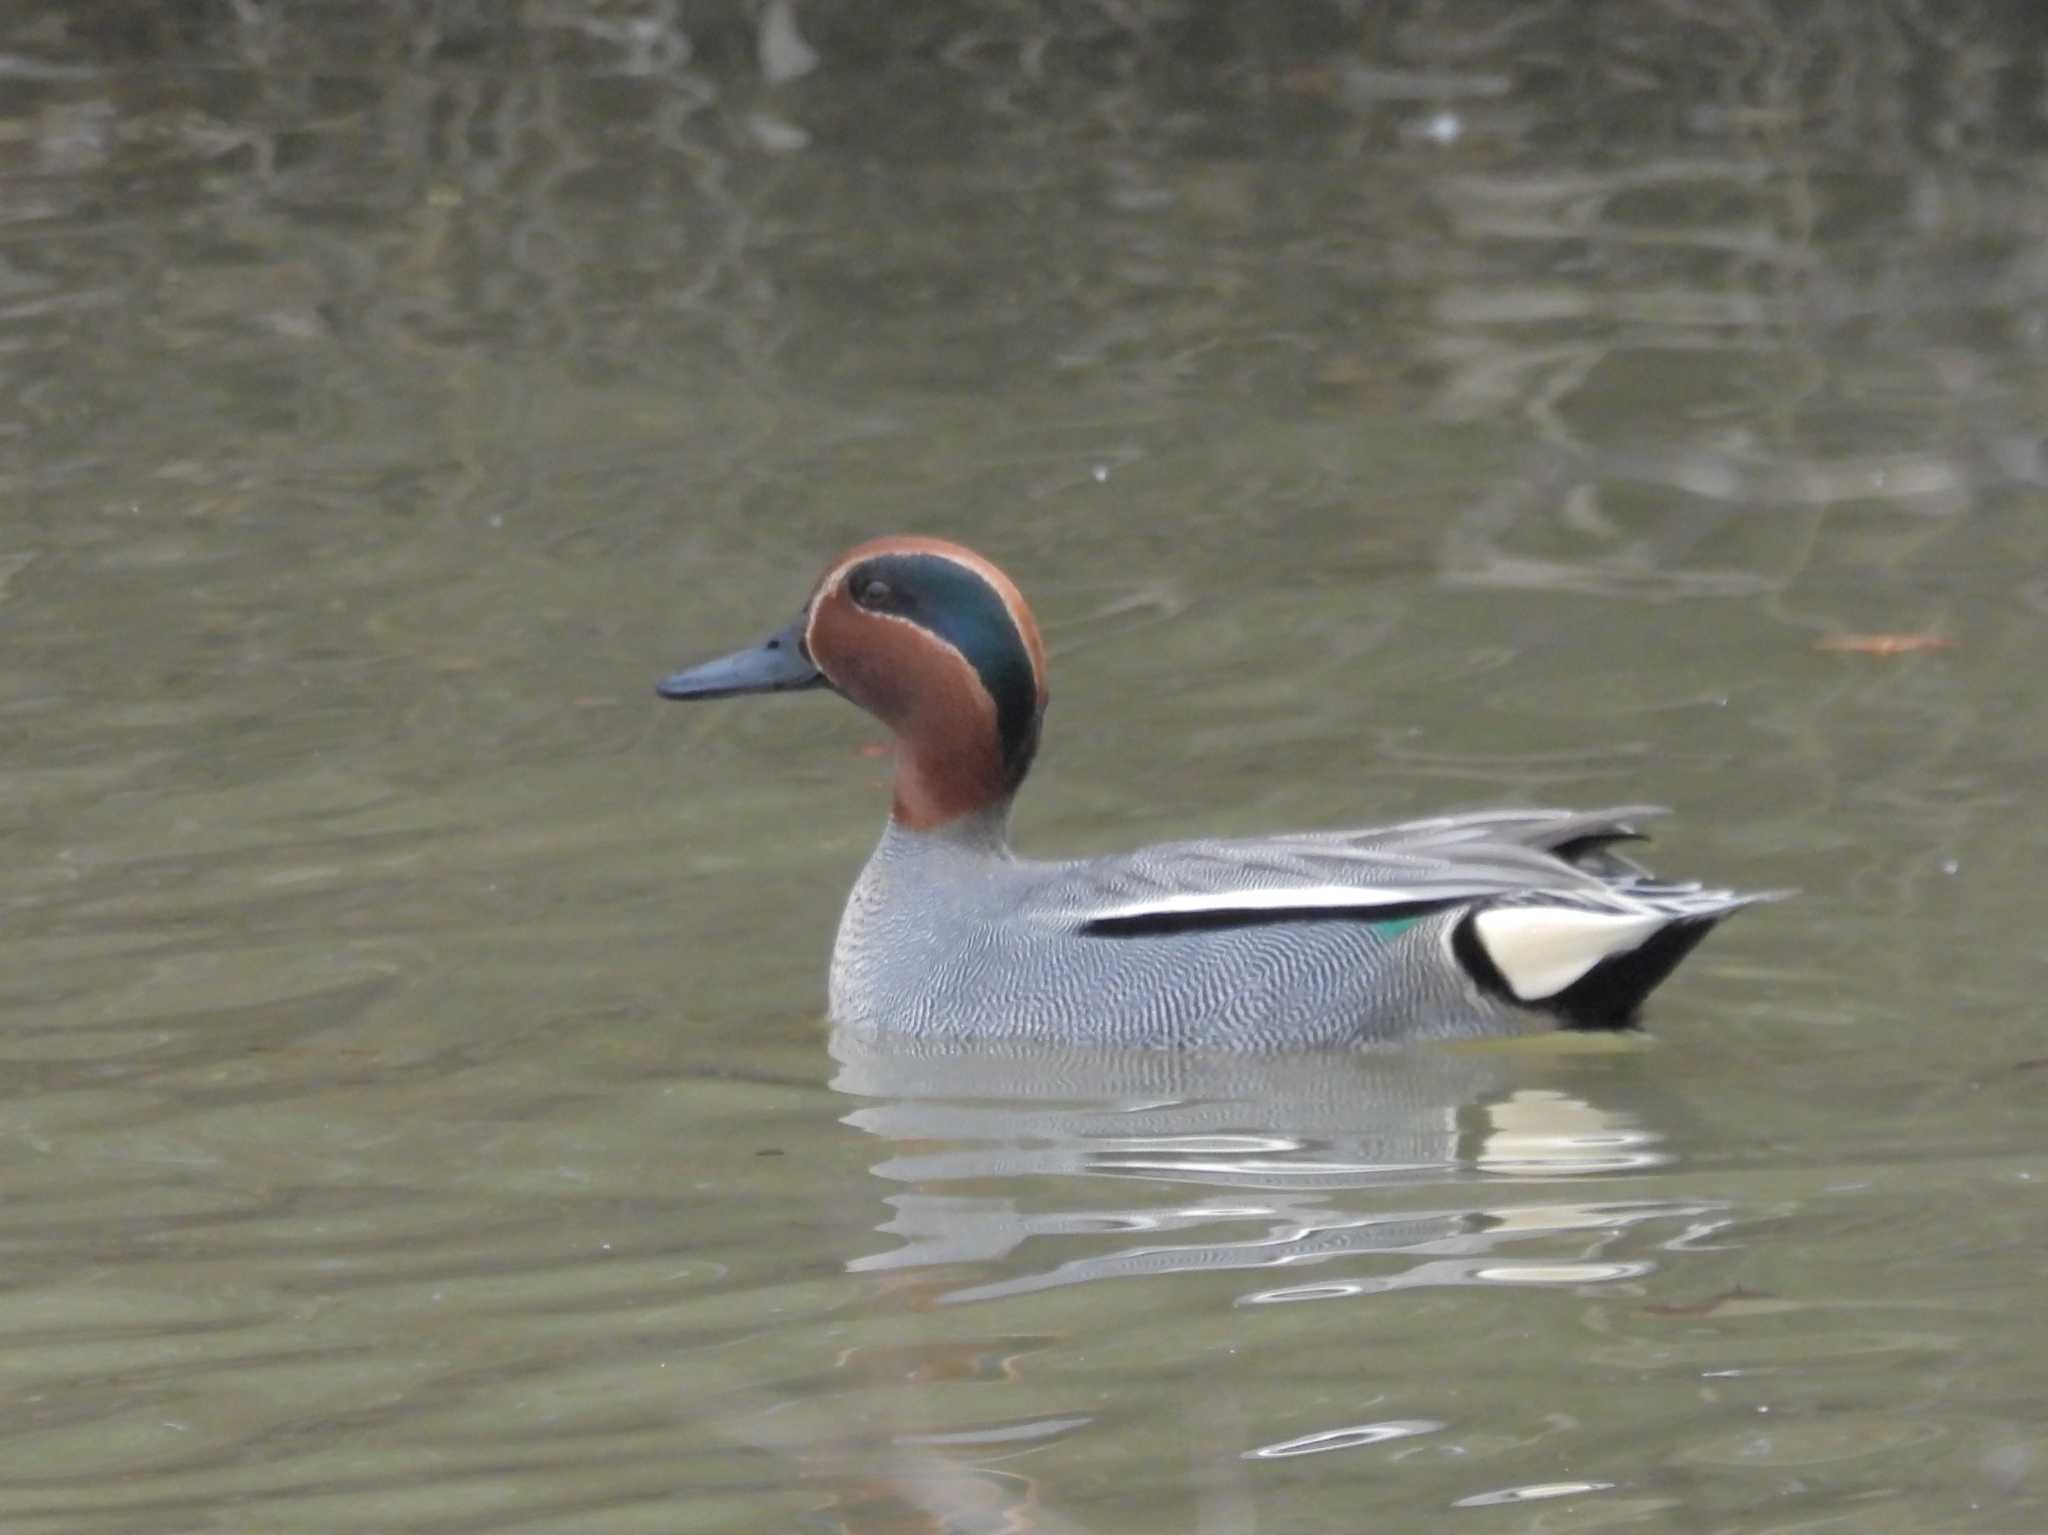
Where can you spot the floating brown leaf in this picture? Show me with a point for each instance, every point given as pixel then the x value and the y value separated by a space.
pixel 1884 644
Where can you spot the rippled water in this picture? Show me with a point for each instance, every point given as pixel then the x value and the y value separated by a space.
pixel 415 1110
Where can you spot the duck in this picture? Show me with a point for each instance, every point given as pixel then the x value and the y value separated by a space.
pixel 1470 925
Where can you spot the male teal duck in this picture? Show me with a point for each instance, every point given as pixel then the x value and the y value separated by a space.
pixel 1475 924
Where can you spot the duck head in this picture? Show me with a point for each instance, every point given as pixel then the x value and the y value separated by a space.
pixel 932 640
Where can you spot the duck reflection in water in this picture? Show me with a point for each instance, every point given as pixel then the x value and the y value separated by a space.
pixel 1449 1141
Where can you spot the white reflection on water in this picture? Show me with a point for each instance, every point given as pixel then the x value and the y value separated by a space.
pixel 1539 1133
pixel 1345 1438
pixel 1300 1139
pixel 1533 1493
pixel 1456 1272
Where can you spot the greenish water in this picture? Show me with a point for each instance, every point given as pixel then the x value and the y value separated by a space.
pixel 415 1109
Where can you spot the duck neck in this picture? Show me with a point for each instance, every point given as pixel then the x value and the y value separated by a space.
pixel 981 832
pixel 940 789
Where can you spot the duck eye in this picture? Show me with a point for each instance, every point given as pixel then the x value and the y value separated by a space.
pixel 873 593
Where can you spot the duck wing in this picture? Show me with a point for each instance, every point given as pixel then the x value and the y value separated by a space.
pixel 1377 873
pixel 1551 916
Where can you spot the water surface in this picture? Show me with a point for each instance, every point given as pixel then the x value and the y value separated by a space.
pixel 415 1108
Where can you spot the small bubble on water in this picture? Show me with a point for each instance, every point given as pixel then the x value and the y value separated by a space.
pixel 1443 128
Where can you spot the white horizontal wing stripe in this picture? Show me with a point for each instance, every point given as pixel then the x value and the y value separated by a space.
pixel 1273 898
